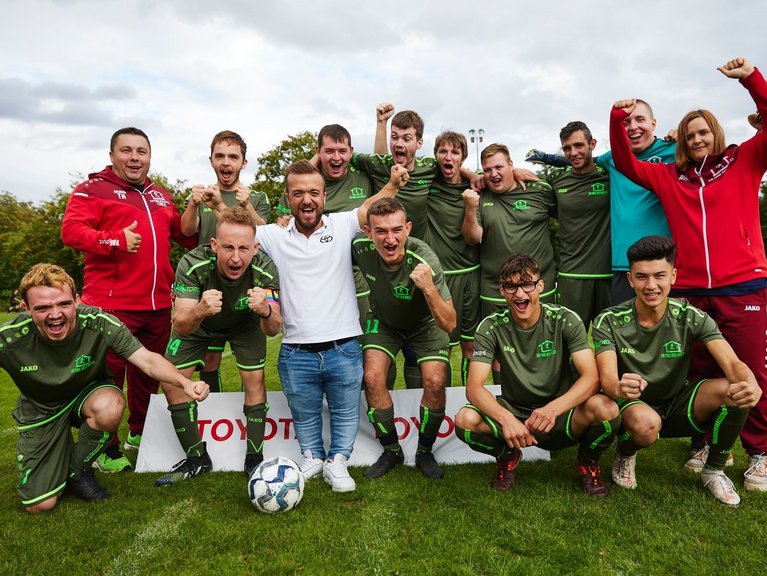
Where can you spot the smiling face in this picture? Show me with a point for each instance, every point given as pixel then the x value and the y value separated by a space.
pixel 498 173
pixel 130 158
pixel 652 281
pixel 53 310
pixel 306 198
pixel 699 139
pixel 579 151
pixel 522 293
pixel 227 162
pixel 389 234
pixel 334 157
pixel 234 248
pixel 640 128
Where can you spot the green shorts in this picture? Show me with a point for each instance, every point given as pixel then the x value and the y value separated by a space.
pixel 464 288
pixel 428 342
pixel 587 297
pixel 248 344
pixel 560 436
pixel 676 416
pixel 45 444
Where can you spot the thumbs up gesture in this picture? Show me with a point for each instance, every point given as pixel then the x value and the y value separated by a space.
pixel 132 239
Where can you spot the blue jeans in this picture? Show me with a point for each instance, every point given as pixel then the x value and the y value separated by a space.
pixel 336 374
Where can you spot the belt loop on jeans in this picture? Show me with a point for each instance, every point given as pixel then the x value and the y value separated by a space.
pixel 324 346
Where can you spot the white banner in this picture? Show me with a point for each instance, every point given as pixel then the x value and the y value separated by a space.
pixel 222 426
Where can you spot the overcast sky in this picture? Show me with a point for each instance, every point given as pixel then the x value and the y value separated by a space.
pixel 73 71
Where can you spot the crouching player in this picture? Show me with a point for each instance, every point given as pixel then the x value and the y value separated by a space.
pixel 542 403
pixel 55 352
pixel 643 353
pixel 227 291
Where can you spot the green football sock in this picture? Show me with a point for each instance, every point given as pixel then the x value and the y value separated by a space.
pixel 383 424
pixel 728 422
pixel 213 379
pixel 431 420
pixel 184 418
pixel 481 442
pixel 255 425
pixel 598 438
pixel 626 445
pixel 90 444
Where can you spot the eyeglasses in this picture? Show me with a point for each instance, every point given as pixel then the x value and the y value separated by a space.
pixel 527 287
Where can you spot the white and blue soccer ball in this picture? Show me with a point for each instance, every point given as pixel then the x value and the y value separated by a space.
pixel 276 485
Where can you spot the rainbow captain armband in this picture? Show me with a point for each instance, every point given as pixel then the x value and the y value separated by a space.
pixel 272 295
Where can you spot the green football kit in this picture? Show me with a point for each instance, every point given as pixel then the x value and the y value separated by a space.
pixel 54 380
pixel 208 220
pixel 514 221
pixel 535 369
pixel 583 210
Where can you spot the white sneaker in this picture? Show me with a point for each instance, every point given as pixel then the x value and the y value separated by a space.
pixel 698 459
pixel 624 470
pixel 310 465
pixel 755 477
pixel 336 474
pixel 720 486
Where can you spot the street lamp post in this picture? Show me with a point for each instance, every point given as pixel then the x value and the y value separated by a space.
pixel 477 136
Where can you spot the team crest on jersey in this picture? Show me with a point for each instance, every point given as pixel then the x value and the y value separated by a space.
pixel 672 349
pixel 82 362
pixel 158 198
pixel 402 292
pixel 598 189
pixel 356 193
pixel 242 304
pixel 546 349
pixel 520 205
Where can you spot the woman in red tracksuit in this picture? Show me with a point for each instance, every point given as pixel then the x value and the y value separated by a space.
pixel 711 199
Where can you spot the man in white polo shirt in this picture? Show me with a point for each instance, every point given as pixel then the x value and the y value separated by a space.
pixel 320 353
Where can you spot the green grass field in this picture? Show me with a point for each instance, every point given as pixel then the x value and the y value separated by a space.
pixel 401 524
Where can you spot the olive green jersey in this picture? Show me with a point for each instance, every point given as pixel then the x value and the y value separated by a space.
pixel 197 273
pixel 208 220
pixel 413 195
pixel 344 194
pixel 48 373
pixel 515 221
pixel 394 298
pixel 444 212
pixel 659 354
pixel 583 209
pixel 535 362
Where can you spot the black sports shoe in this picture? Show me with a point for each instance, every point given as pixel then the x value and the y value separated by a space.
pixel 188 468
pixel 251 461
pixel 84 486
pixel 428 466
pixel 385 462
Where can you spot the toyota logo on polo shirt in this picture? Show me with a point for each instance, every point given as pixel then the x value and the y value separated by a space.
pixel 326 239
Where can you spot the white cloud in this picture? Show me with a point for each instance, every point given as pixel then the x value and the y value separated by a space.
pixel 74 71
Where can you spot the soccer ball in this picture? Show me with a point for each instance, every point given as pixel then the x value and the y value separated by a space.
pixel 276 485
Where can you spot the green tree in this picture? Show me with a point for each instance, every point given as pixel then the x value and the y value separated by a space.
pixel 270 177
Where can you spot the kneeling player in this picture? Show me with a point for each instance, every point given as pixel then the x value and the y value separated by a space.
pixel 56 355
pixel 541 403
pixel 643 353
pixel 227 291
pixel 410 302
